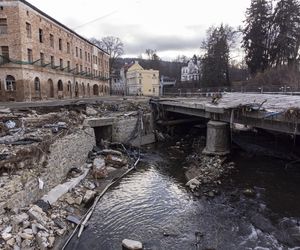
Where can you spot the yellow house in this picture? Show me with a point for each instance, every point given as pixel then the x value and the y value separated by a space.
pixel 142 82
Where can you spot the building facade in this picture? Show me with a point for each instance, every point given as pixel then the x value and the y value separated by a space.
pixel 191 72
pixel 41 58
pixel 142 82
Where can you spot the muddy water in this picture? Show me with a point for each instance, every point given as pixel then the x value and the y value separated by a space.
pixel 152 205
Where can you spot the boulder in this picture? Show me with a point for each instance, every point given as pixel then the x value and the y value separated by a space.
pixel 132 244
pixel 193 184
pixel 99 168
pixel 38 214
pixel 89 195
pixel 116 161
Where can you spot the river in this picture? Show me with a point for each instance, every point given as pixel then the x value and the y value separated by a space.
pixel 153 205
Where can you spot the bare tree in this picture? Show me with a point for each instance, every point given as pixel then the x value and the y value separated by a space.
pixel 113 46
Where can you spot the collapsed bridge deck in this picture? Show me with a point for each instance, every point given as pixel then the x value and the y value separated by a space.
pixel 280 113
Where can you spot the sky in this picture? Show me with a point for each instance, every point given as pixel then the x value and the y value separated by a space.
pixel 171 27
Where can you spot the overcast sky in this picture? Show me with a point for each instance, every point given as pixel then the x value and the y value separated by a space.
pixel 172 27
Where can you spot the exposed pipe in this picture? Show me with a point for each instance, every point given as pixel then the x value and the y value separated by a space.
pixel 89 213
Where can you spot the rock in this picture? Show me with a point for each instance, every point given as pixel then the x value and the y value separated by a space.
pixel 99 169
pixel 18 219
pixel 60 232
pixel 11 242
pixel 193 184
pixel 34 228
pixel 7 229
pixel 116 161
pixel 28 231
pixel 42 242
pixel 26 224
pixel 107 152
pixel 51 241
pixel 6 236
pixel 73 219
pixel 26 236
pixel 38 214
pixel 211 194
pixel 26 244
pixel 70 200
pixel 110 170
pixel 59 223
pixel 89 195
pixel 249 193
pixel 16 247
pixel 132 244
pixel 78 200
pixel 91 111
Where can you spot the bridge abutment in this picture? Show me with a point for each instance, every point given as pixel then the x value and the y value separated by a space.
pixel 218 138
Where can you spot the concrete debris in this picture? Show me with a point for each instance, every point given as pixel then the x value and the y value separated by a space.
pixel 132 244
pixel 99 168
pixel 73 219
pixel 89 195
pixel 205 173
pixel 115 161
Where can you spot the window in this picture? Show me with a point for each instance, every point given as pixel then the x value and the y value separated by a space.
pixel 68 48
pixel 153 90
pixel 28 30
pixel 76 51
pixel 86 56
pixel 3 26
pixel 10 83
pixel 140 81
pixel 60 86
pixel 85 69
pixel 77 69
pixel 51 41
pixel 59 44
pixel 61 63
pixel 37 84
pixel 80 68
pixel 69 65
pixel 29 55
pixel 52 62
pixel 5 54
pixel 41 35
pixel 80 53
pixel 42 58
pixel 89 57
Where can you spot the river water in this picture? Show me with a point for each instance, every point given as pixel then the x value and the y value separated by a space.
pixel 153 205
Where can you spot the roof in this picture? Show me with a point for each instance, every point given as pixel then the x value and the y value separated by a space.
pixel 60 24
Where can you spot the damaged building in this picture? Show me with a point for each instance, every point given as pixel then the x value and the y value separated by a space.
pixel 41 59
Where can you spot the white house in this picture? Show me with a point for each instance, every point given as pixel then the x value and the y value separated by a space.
pixel 191 72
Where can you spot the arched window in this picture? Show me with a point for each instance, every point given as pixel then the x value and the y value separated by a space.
pixel 10 83
pixel 95 90
pixel 69 86
pixel 88 89
pixel 60 86
pixel 83 89
pixel 37 84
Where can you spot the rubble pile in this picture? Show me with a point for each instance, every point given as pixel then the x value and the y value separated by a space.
pixel 205 173
pixel 39 225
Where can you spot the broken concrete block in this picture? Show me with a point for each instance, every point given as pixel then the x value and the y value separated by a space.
pixel 26 236
pixel 89 195
pixel 73 219
pixel 116 161
pixel 111 152
pixel 38 214
pixel 6 236
pixel 132 244
pixel 193 184
pixel 11 242
pixel 18 219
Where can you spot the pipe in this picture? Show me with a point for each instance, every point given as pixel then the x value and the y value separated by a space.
pixel 89 213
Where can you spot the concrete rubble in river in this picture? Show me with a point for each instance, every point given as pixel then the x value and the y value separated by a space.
pixel 26 139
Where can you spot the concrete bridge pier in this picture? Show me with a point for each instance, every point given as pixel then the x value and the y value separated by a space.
pixel 218 138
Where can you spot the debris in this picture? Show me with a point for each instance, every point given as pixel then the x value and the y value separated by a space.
pixel 132 244
pixel 73 219
pixel 10 124
pixel 89 195
pixel 115 161
pixel 41 184
pixel 107 152
pixel 249 193
pixel 99 169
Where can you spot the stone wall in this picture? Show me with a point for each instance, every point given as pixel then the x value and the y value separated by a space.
pixel 123 128
pixel 22 188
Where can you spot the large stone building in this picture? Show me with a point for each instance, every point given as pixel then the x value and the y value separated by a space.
pixel 41 58
pixel 140 81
